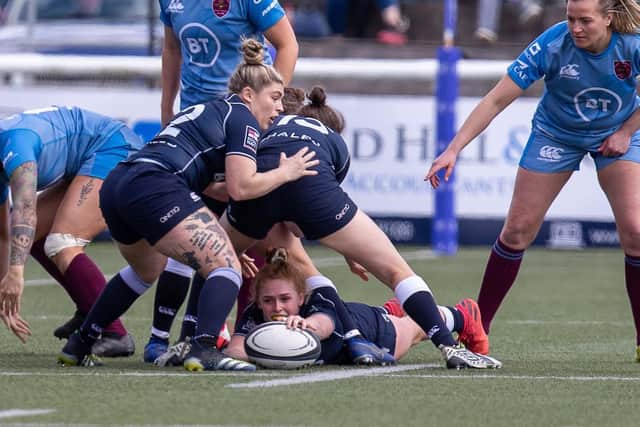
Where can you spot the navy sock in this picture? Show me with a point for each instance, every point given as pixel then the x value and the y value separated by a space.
pixel 113 302
pixel 171 292
pixel 191 314
pixel 217 297
pixel 458 319
pixel 422 308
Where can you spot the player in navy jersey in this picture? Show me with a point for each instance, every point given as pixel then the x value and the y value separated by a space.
pixel 200 51
pixel 281 294
pixel 65 153
pixel 590 64
pixel 317 208
pixel 152 207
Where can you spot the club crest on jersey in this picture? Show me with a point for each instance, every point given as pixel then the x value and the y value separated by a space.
pixel 251 137
pixel 220 7
pixel 622 69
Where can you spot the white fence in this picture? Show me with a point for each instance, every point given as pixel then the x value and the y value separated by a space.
pixel 149 67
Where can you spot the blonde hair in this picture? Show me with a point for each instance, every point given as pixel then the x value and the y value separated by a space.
pixel 277 267
pixel 625 14
pixel 252 71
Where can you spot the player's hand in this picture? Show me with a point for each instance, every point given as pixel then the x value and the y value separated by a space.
pixel 17 325
pixel 296 322
pixel 298 165
pixel 11 287
pixel 249 268
pixel 357 269
pixel 616 144
pixel 446 161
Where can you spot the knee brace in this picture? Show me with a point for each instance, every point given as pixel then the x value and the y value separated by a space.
pixel 55 242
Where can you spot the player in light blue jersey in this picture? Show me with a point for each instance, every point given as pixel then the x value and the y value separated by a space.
pixel 202 45
pixel 200 51
pixel 64 153
pixel 589 64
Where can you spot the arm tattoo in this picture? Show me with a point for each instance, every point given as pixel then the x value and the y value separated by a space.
pixel 23 215
pixel 84 192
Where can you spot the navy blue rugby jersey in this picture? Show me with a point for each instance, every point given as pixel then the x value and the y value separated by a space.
pixel 290 133
pixel 332 346
pixel 196 142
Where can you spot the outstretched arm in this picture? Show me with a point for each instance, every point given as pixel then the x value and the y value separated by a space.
pixel 499 98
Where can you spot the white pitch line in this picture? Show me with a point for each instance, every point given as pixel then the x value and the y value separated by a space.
pixel 11 413
pixel 330 376
pixel 516 377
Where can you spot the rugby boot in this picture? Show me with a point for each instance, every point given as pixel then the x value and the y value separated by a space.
pixel 364 352
pixel 472 334
pixel 77 352
pixel 458 357
pixel 155 348
pixel 112 345
pixel 70 326
pixel 205 357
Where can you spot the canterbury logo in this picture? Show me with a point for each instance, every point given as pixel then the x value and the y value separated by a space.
pixel 550 152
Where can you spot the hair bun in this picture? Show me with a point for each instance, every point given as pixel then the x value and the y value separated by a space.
pixel 277 255
pixel 253 52
pixel 317 96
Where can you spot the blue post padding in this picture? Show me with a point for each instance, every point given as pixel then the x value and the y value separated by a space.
pixel 445 224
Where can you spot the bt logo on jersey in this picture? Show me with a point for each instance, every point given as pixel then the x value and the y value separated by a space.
pixel 596 103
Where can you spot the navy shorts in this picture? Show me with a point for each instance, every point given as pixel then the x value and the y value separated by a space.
pixel 316 204
pixel 144 201
pixel 374 325
pixel 214 205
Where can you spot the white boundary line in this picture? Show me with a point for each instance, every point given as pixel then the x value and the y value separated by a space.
pixel 329 376
pixel 11 413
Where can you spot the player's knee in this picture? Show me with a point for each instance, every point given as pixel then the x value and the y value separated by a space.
pixel 57 242
pixel 630 242
pixel 518 234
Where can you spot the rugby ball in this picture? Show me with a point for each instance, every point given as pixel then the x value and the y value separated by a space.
pixel 272 345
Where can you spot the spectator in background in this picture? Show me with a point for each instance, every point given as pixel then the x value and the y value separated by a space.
pixel 354 15
pixel 489 13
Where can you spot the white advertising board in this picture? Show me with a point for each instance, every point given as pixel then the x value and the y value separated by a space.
pixel 392 143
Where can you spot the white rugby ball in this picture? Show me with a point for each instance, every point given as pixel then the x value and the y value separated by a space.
pixel 272 345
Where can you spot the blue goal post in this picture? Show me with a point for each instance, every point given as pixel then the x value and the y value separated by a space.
pixel 444 232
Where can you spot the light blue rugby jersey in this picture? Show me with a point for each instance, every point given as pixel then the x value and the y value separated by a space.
pixel 587 96
pixel 210 34
pixel 59 139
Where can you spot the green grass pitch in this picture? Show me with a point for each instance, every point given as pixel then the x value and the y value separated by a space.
pixel 565 335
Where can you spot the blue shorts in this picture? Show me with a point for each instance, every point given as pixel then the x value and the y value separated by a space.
pixel 316 204
pixel 546 155
pixel 374 325
pixel 144 201
pixel 116 149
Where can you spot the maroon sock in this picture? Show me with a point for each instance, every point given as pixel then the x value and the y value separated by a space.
pixel 499 275
pixel 632 277
pixel 85 282
pixel 37 252
pixel 244 296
